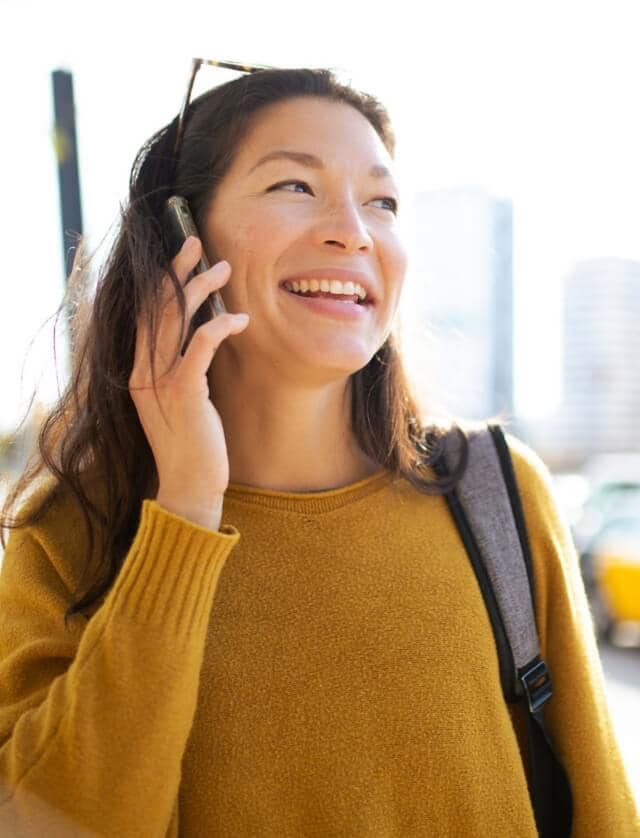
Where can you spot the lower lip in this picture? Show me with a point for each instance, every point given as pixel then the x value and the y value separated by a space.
pixel 334 308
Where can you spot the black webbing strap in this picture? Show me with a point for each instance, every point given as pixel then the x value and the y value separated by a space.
pixel 550 791
pixel 550 787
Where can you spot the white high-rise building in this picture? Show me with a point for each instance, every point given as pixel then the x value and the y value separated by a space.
pixel 464 297
pixel 600 409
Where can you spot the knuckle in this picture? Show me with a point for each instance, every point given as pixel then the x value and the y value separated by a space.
pixel 171 294
pixel 186 258
pixel 136 379
pixel 202 284
pixel 134 387
pixel 209 331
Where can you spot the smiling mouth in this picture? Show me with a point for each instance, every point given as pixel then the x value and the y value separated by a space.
pixel 354 299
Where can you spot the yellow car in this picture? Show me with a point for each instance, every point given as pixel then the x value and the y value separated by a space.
pixel 613 578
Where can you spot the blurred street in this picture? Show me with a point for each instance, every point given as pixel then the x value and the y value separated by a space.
pixel 622 670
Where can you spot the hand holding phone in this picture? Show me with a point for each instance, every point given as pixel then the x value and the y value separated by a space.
pixel 183 427
pixel 178 225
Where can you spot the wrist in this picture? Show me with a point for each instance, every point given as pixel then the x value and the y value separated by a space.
pixel 207 515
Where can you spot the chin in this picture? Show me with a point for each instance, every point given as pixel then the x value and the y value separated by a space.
pixel 342 364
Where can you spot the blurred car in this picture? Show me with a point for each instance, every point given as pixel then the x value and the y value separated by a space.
pixel 611 570
pixel 607 498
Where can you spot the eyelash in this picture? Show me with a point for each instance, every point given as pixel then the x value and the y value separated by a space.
pixel 302 183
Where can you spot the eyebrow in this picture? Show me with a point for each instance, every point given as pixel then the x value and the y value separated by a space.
pixel 312 162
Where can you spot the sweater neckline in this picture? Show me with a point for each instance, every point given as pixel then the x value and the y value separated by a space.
pixel 324 500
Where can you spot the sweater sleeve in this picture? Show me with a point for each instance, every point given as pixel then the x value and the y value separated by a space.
pixel 94 720
pixel 577 715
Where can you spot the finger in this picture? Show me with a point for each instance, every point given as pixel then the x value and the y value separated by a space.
pixel 172 328
pixel 146 356
pixel 187 258
pixel 205 342
pixel 197 291
pixel 182 266
pixel 170 323
pixel 184 261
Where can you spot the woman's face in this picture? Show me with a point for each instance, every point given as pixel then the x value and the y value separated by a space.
pixel 276 219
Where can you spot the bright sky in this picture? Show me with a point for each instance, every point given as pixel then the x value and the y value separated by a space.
pixel 534 102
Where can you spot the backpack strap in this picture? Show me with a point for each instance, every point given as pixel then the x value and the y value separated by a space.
pixel 488 513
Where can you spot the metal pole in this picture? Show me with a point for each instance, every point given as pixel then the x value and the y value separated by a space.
pixel 66 149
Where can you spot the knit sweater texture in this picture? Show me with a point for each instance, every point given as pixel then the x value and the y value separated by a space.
pixel 323 665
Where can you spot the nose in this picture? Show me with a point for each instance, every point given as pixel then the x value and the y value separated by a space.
pixel 344 226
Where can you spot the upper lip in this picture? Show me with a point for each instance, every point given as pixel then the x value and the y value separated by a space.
pixel 336 273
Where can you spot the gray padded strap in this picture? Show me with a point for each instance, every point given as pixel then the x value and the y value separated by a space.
pixel 485 500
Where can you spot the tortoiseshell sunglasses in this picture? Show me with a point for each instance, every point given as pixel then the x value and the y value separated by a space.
pixel 195 66
pixel 177 221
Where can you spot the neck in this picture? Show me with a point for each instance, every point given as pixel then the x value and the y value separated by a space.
pixel 289 438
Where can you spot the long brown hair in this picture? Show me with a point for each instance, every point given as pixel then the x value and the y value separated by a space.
pixel 92 442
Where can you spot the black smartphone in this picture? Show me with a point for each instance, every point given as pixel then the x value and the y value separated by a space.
pixel 178 225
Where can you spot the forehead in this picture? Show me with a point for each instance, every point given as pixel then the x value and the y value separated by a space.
pixel 332 131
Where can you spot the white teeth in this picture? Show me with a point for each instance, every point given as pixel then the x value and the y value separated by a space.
pixel 332 286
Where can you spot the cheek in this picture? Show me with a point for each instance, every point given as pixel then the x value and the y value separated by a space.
pixel 400 253
pixel 232 234
pixel 248 242
pixel 248 250
pixel 397 264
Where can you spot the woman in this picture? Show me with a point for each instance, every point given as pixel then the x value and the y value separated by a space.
pixel 279 632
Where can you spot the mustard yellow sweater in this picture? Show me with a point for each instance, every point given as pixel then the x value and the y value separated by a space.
pixel 322 666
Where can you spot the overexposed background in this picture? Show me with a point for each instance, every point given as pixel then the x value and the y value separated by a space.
pixel 535 103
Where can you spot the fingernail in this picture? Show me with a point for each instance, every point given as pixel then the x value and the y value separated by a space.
pixel 220 266
pixel 242 317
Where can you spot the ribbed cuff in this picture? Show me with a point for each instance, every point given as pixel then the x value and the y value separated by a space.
pixel 171 571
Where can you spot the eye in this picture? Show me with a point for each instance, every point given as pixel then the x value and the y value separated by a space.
pixel 289 183
pixel 392 201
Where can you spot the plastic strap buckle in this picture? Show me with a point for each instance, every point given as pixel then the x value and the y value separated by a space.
pixel 537 685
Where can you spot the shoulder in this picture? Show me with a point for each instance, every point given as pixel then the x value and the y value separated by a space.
pixel 57 534
pixel 553 551
pixel 532 474
pixel 535 482
pixel 544 516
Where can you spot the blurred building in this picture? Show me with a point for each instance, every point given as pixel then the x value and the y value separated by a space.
pixel 464 246
pixel 601 361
